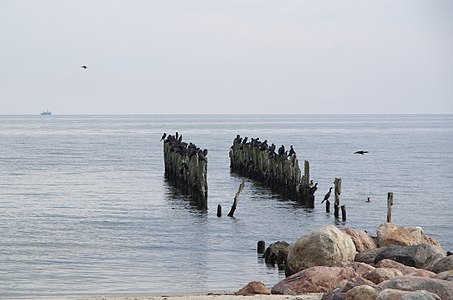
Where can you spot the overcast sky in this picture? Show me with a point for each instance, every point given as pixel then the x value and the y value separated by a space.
pixel 226 56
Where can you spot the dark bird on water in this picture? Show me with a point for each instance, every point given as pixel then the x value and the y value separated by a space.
pixel 163 136
pixel 84 67
pixel 361 152
pixel 327 196
pixel 368 200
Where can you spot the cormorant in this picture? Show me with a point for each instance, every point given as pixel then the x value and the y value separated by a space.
pixel 281 150
pixel 84 67
pixel 327 196
pixel 313 189
pixel 291 151
pixel 205 152
pixel 360 152
pixel 163 136
pixel 368 200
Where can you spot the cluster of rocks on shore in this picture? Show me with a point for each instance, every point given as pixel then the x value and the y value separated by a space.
pixel 399 263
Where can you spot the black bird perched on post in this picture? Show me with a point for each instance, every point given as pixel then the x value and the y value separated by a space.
pixel 84 67
pixel 327 196
pixel 360 152
pixel 163 136
pixel 313 189
pixel 291 151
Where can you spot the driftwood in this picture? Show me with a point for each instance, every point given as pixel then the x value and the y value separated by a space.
pixel 186 168
pixel 236 200
pixel 279 170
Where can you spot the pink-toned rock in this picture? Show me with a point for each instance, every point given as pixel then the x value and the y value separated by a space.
pixel 359 268
pixel 361 239
pixel 381 274
pixel 443 288
pixel 388 263
pixel 318 279
pixel 362 292
pixel 254 288
pixel 392 234
pixel 322 247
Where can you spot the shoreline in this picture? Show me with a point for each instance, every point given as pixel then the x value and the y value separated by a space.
pixel 189 296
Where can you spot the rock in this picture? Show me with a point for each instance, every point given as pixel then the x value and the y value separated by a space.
pixel 381 274
pixel 443 265
pixel 359 268
pixel 392 234
pixel 361 239
pixel 254 288
pixel 362 292
pixel 447 275
pixel 357 281
pixel 414 256
pixel 321 247
pixel 368 256
pixel 388 263
pixel 336 294
pixel 420 295
pixel 391 294
pixel 318 279
pixel 444 289
pixel 277 253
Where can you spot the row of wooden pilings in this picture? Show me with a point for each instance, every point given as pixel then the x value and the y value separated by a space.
pixel 186 167
pixel 278 170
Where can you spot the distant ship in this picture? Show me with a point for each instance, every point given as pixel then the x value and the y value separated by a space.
pixel 46 113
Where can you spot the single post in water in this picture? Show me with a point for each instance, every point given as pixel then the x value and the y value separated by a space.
pixel 336 205
pixel 389 207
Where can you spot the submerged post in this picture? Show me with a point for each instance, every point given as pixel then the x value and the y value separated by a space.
pixel 389 207
pixel 343 212
pixel 186 167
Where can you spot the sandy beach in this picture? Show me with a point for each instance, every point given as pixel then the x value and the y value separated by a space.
pixel 209 296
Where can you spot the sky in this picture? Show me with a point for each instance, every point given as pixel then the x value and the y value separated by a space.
pixel 226 56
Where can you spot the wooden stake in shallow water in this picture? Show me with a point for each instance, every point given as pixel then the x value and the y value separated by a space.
pixel 389 207
pixel 336 204
pixel 236 199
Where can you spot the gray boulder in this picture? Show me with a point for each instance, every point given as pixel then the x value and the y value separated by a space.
pixel 420 295
pixel 443 265
pixel 417 256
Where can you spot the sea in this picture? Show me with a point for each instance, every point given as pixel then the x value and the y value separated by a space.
pixel 86 209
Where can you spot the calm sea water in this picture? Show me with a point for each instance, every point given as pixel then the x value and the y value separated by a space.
pixel 85 208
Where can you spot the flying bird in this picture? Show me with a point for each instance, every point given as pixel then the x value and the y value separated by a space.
pixel 84 67
pixel 327 196
pixel 361 152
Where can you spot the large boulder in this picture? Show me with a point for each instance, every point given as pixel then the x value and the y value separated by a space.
pixel 443 288
pixel 254 288
pixel 443 264
pixel 318 279
pixel 392 234
pixel 321 247
pixel 417 256
pixel 406 270
pixel 361 239
pixel 368 256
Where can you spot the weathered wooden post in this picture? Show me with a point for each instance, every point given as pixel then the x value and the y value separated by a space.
pixel 261 247
pixel 327 206
pixel 389 207
pixel 219 210
pixel 236 199
pixel 186 168
pixel 343 212
pixel 336 205
pixel 279 170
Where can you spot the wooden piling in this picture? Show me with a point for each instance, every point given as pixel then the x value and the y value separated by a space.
pixel 279 170
pixel 186 168
pixel 236 200
pixel 327 206
pixel 261 247
pixel 389 207
pixel 343 212
pixel 336 205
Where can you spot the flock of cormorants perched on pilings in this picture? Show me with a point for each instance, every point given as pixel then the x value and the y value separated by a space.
pixel 186 167
pixel 278 170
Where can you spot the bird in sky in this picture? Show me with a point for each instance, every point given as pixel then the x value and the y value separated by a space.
pixel 361 152
pixel 84 67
